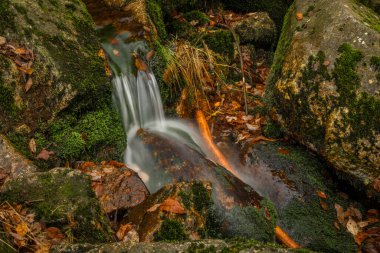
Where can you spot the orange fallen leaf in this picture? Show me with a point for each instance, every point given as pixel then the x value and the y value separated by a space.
pixel 19 51
pixel 28 71
pixel 116 164
pixel 376 184
pixel 172 206
pixel 339 213
pixel 212 23
pixel 352 226
pixel 153 208
pixel 299 16
pixel 283 151
pixel 373 212
pixel 22 229
pixel 321 195
pixel 336 225
pixel 360 237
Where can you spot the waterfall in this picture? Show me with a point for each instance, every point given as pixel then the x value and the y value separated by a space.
pixel 137 96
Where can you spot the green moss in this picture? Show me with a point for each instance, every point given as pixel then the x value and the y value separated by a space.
pixel 170 230
pixel 198 16
pixel 168 6
pixel 272 130
pixel 312 221
pixel 221 42
pixel 7 17
pixel 185 199
pixel 200 248
pixel 87 136
pixel 55 196
pixel 279 57
pixel 201 197
pixel 182 29
pixel 155 12
pixel 346 78
pixel 7 102
pixel 375 63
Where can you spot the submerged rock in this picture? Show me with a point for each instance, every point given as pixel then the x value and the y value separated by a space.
pixel 256 28
pixel 12 164
pixel 324 86
pixel 178 247
pixel 63 198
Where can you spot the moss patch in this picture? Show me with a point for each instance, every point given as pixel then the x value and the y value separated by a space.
pixel 221 42
pixel 7 20
pixel 197 16
pixel 59 197
pixel 155 12
pixel 170 230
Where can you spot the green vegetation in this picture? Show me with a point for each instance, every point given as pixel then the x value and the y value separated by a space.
pixel 7 20
pixel 170 230
pixel 201 197
pixel 221 42
pixel 346 78
pixel 198 16
pixel 375 63
pixel 88 135
pixel 59 197
pixel 272 130
pixel 156 15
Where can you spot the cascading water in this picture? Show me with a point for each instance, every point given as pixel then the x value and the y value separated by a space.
pixel 137 96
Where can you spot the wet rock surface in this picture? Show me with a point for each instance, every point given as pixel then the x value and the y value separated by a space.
pixel 199 246
pixel 12 163
pixel 324 86
pixel 294 180
pixel 237 209
pixel 116 186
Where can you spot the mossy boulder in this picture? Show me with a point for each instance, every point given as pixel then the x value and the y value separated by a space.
pixel 66 66
pixel 292 177
pixel 257 29
pixel 63 198
pixel 275 8
pixel 324 86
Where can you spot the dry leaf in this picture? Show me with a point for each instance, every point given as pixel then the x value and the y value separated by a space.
pixel 123 230
pixel 22 229
pixel 352 226
pixel 116 52
pixel 376 184
pixel 283 151
pixel 28 84
pixel 373 212
pixel 252 127
pixel 212 23
pixel 339 213
pixel 360 237
pixel 45 154
pixel 140 64
pixel 32 146
pixel 299 16
pixel 336 225
pixel 54 233
pixel 153 208
pixel 149 55
pixel 19 51
pixel 2 40
pixel 321 195
pixel 172 206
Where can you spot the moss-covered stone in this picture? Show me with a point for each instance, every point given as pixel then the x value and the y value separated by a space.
pixel 87 137
pixel 6 15
pixel 221 42
pixel 326 90
pixel 155 13
pixel 276 9
pixel 197 16
pixel 62 198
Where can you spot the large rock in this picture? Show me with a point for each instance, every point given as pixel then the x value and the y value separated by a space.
pixel 12 163
pixel 61 62
pixel 324 86
pixel 256 28
pixel 294 180
pixel 179 247
pixel 63 198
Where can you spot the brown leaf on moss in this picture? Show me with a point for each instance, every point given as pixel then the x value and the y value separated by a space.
pixel 376 184
pixel 140 64
pixel 172 206
pixel 123 230
pixel 339 213
pixel 32 145
pixel 321 195
pixel 324 205
pixel 28 84
pixel 45 154
pixel 299 16
pixel 54 233
pixel 283 151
